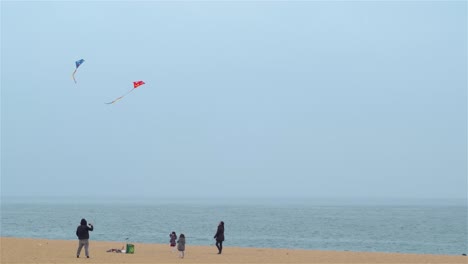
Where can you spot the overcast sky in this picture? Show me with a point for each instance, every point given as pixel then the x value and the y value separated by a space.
pixel 245 98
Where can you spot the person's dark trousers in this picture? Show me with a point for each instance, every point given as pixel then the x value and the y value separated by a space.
pixel 219 245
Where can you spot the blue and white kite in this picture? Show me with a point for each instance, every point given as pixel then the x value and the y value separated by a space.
pixel 77 63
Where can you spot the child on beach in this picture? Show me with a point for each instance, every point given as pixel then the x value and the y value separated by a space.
pixel 173 238
pixel 181 245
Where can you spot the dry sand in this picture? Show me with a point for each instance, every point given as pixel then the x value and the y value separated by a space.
pixel 19 250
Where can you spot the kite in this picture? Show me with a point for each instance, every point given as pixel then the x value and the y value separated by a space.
pixel 135 85
pixel 77 63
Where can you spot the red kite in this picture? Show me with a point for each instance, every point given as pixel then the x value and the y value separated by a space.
pixel 135 85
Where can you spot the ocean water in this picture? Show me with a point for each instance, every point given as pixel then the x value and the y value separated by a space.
pixel 427 229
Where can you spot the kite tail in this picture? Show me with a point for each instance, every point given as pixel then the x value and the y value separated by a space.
pixel 121 96
pixel 73 75
pixel 129 92
pixel 115 100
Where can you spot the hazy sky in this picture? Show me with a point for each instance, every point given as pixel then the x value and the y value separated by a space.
pixel 245 98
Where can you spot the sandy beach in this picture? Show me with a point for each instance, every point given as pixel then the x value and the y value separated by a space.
pixel 20 250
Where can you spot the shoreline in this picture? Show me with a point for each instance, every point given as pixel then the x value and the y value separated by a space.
pixel 233 246
pixel 32 250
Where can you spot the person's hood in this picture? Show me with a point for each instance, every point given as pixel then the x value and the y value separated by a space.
pixel 83 222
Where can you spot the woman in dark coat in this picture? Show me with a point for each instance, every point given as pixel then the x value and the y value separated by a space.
pixel 219 236
pixel 181 245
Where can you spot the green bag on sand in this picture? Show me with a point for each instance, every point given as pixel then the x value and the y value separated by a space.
pixel 130 249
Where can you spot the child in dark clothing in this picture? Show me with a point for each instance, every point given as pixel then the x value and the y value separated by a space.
pixel 173 238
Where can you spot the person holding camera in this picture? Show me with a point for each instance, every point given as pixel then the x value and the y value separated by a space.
pixel 82 232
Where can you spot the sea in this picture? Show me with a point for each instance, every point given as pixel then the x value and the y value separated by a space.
pixel 432 227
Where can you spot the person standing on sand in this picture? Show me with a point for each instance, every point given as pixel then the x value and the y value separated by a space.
pixel 219 236
pixel 181 245
pixel 173 238
pixel 83 237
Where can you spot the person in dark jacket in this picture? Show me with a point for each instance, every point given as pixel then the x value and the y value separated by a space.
pixel 181 245
pixel 219 236
pixel 82 232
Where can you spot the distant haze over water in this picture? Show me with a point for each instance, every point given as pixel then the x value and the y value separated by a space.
pixel 306 200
